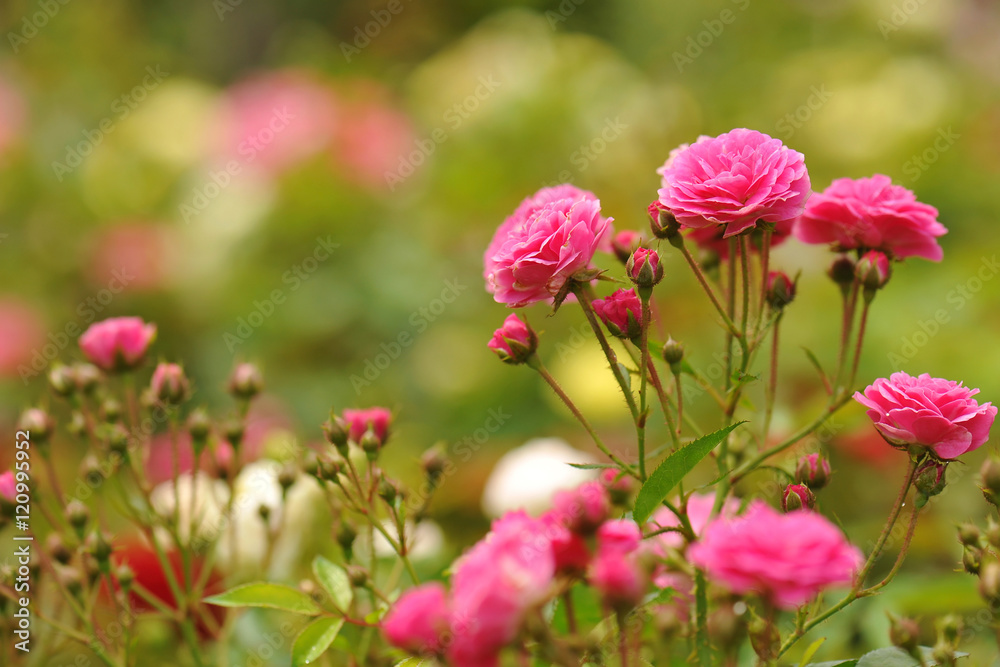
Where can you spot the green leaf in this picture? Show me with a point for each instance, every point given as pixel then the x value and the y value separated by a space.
pixel 672 470
pixel 834 663
pixel 811 651
pixel 592 466
pixel 262 594
pixel 411 662
pixel 335 580
pixel 819 368
pixel 315 639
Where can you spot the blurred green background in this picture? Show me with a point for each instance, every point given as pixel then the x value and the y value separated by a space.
pixel 300 184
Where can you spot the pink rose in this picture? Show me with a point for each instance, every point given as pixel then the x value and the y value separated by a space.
pixel 621 313
pixel 615 571
pixel 872 214
pixel 117 343
pixel 934 413
pixel 514 342
pixel 584 508
pixel 22 331
pixel 699 509
pixel 359 421
pixel 787 558
pixel 569 549
pixel 550 236
pixel 625 243
pixel 169 383
pixel 419 619
pixel 8 487
pixel 734 180
pixel 501 578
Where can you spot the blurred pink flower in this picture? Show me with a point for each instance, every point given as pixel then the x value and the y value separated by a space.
pixel 699 509
pixel 22 333
pixel 549 237
pixel 419 619
pixel 931 412
pixel 787 558
pixel 169 384
pixel 734 180
pixel 615 571
pixel 872 214
pixel 621 313
pixel 370 137
pixel 118 342
pixel 359 421
pixel 13 115
pixel 8 487
pixel 275 120
pixel 495 583
pixel 130 256
pixel 584 508
pixel 569 549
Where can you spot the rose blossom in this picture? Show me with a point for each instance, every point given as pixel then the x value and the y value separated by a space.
pixel 419 619
pixel 872 214
pixel 788 558
pixel 931 412
pixel 169 383
pixel 699 509
pixel 584 508
pixel 621 313
pixel 496 583
pixel 734 180
pixel 514 342
pixel 615 571
pixel 550 236
pixel 359 421
pixel 117 343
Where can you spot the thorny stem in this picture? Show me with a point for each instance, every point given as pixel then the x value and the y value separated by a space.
pixel 643 374
pixel 583 293
pixel 703 281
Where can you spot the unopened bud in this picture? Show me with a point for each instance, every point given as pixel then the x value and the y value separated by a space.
pixel 873 272
pixel 90 471
pixel 972 558
pixel 246 381
pixel 336 432
pixel 989 476
pixel 98 546
pixel 116 438
pixel 514 342
pixel 345 536
pixel 797 497
pixel 77 515
pixel 625 243
pixel 619 486
pixel 70 579
pixel 371 444
pixel 38 423
pixel 813 470
pixel 433 462
pixel 357 575
pixel 644 268
pixel 110 409
pixel 780 290
pixel 169 385
pixel 77 426
pixel 233 429
pixel 87 376
pixel 673 354
pixel 199 426
pixel 310 463
pixel 993 533
pixel 949 628
pixel 57 549
pixel 663 223
pixel 287 476
pixel 989 582
pixel 62 380
pixel 842 272
pixel 969 534
pixel 929 480
pixel 125 576
pixel 904 633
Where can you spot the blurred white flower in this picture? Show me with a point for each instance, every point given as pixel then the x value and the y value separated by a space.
pixel 527 477
pixel 206 495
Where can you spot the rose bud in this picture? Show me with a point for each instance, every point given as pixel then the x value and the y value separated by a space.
pixel 813 470
pixel 972 559
pixel 169 385
pixel 673 354
pixel 780 290
pixel 663 223
pixel 117 344
pixel 969 535
pixel 904 633
pixel 360 422
pixel 644 268
pixel 62 380
pixel 797 497
pixel 621 313
pixel 625 243
pixel 246 381
pixel 989 582
pixel 873 272
pixel 584 508
pixel 990 477
pixel 841 271
pixel 619 486
pixel 38 423
pixel 515 342
pixel 929 480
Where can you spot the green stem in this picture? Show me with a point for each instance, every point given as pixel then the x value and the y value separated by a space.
pixel 703 281
pixel 640 425
pixel 772 380
pixel 583 294
pixel 536 363
pixel 861 337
